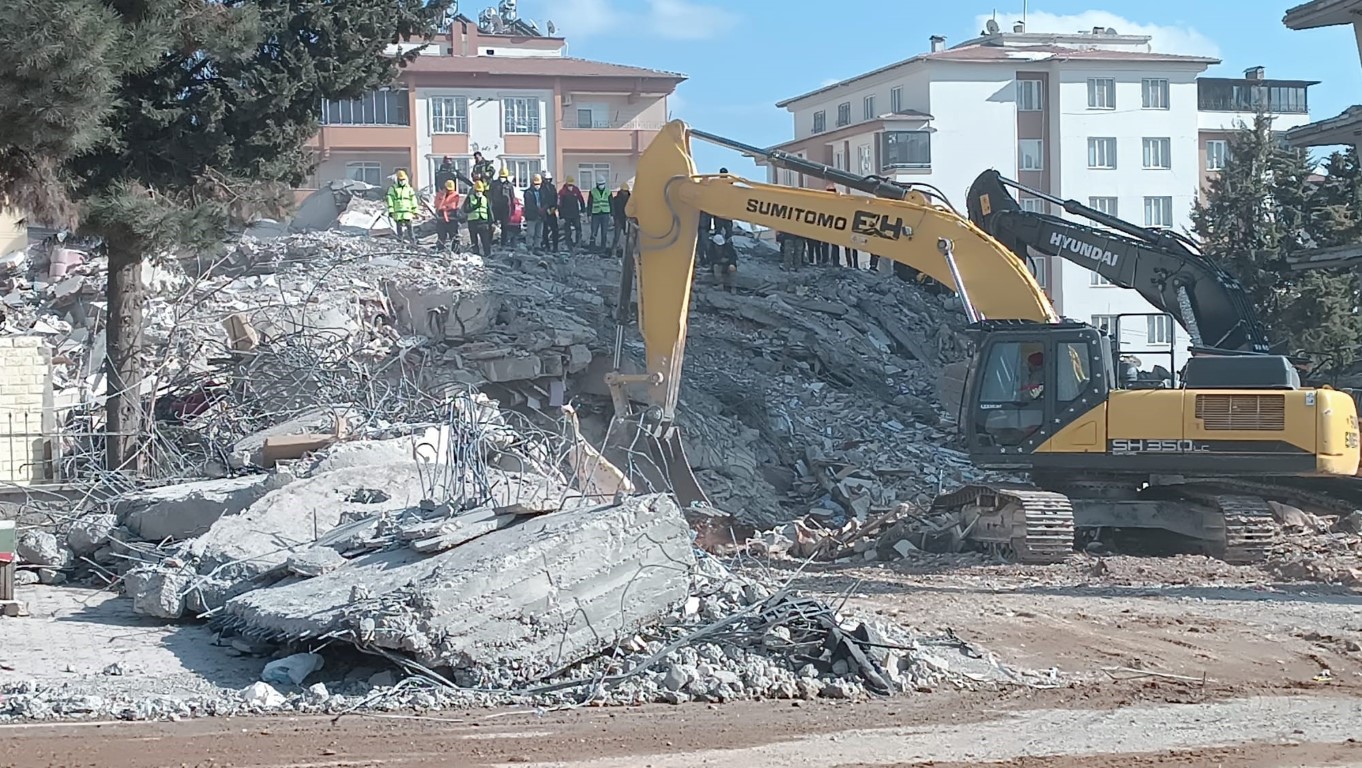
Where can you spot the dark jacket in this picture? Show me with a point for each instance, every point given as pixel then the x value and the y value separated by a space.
pixel 500 195
pixel 535 203
pixel 550 198
pixel 570 201
pixel 444 173
pixel 617 203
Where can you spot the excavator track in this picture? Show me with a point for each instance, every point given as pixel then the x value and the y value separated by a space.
pixel 1036 526
pixel 1250 528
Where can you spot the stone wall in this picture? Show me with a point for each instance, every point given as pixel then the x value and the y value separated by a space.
pixel 25 397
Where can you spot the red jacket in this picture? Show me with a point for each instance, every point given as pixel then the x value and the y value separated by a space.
pixel 446 203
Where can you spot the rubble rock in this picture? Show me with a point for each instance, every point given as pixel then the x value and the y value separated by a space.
pixel 507 606
pixel 43 549
pixel 157 591
pixel 90 533
pixel 179 512
pixel 315 562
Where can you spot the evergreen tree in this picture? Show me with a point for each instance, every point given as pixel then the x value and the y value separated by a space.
pixel 1264 206
pixel 153 123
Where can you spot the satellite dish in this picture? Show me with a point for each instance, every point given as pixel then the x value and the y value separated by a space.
pixel 992 27
pixel 553 30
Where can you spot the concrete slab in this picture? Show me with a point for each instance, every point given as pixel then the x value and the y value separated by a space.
pixel 503 608
pixel 187 510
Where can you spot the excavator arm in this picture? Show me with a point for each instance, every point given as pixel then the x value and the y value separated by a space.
pixel 896 224
pixel 1164 268
pixel 669 196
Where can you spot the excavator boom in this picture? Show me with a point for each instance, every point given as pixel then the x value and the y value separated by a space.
pixel 669 196
pixel 1164 268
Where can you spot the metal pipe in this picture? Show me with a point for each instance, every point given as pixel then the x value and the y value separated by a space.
pixel 947 249
pixel 870 185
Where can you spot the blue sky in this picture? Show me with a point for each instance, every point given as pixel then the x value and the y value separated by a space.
pixel 743 57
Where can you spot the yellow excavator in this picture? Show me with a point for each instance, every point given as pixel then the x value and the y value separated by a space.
pixel 1041 394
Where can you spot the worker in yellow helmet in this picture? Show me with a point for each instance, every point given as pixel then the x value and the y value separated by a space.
pixel 402 205
pixel 536 203
pixel 478 209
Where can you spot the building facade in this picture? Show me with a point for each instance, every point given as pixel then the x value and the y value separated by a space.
pixel 1095 117
pixel 512 94
pixel 1345 128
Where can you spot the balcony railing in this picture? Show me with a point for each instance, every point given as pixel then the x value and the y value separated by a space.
pixel 612 125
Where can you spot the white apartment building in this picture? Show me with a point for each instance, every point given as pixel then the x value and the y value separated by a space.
pixel 1095 116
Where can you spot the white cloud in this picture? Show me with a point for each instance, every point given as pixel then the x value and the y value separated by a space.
pixel 670 19
pixel 1165 38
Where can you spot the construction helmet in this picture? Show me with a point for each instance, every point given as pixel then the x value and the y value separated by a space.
pixel 449 185
pixel 572 180
pixel 536 179
pixel 503 174
pixel 624 187
pixel 718 239
pixel 401 175
pixel 479 186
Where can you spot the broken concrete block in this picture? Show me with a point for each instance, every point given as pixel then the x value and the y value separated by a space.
pixel 505 607
pixel 42 548
pixel 315 562
pixel 183 511
pixel 329 420
pixel 241 335
pixel 512 369
pixel 442 313
pixel 464 528
pixel 90 533
pixel 579 357
pixel 286 447
pixel 551 363
pixel 158 592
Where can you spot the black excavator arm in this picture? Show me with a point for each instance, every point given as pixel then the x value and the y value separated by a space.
pixel 1165 268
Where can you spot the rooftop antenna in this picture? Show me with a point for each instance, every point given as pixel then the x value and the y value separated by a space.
pixel 1024 4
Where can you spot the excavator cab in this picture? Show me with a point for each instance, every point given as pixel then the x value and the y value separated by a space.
pixel 1028 382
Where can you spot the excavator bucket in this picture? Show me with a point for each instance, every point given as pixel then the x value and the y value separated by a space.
pixel 667 466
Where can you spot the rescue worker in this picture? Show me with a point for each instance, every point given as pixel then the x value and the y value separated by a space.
pixel 478 209
pixel 445 172
pixel 535 205
pixel 618 201
pixel 600 213
pixel 791 251
pixel 830 254
pixel 571 204
pixel 704 244
pixel 723 226
pixel 502 195
pixel 402 206
pixel 853 258
pixel 482 169
pixel 447 216
pixel 551 234
pixel 874 263
pixel 724 261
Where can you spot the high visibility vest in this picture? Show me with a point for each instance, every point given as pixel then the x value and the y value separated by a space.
pixel 600 201
pixel 401 202
pixel 476 206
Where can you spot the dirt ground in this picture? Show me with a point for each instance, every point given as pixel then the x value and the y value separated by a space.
pixel 1161 662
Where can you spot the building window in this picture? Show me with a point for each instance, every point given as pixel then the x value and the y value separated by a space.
pixel 787 178
pixel 449 114
pixel 384 107
pixel 1215 95
pixel 1097 280
pixel 1030 155
pixel 839 160
pixel 896 99
pixel 523 169
pixel 520 115
pixel 366 171
pixel 593 116
pixel 1034 205
pixel 1101 93
pixel 1105 323
pixel 1154 92
pixel 865 159
pixel 590 173
pixel 1158 211
pixel 1029 95
pixel 1216 152
pixel 868 108
pixel 820 121
pixel 1106 205
pixel 844 114
pixel 1039 267
pixel 1102 152
pixel 906 149
pixel 1156 154
pixel 1159 329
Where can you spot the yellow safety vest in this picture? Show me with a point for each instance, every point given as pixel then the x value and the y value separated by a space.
pixel 476 206
pixel 600 201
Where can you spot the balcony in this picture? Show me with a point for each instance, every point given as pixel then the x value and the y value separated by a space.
pixel 630 136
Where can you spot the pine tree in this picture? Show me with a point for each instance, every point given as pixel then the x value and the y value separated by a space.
pixel 154 123
pixel 1264 206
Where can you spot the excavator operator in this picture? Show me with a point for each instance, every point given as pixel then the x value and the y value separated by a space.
pixel 1033 386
